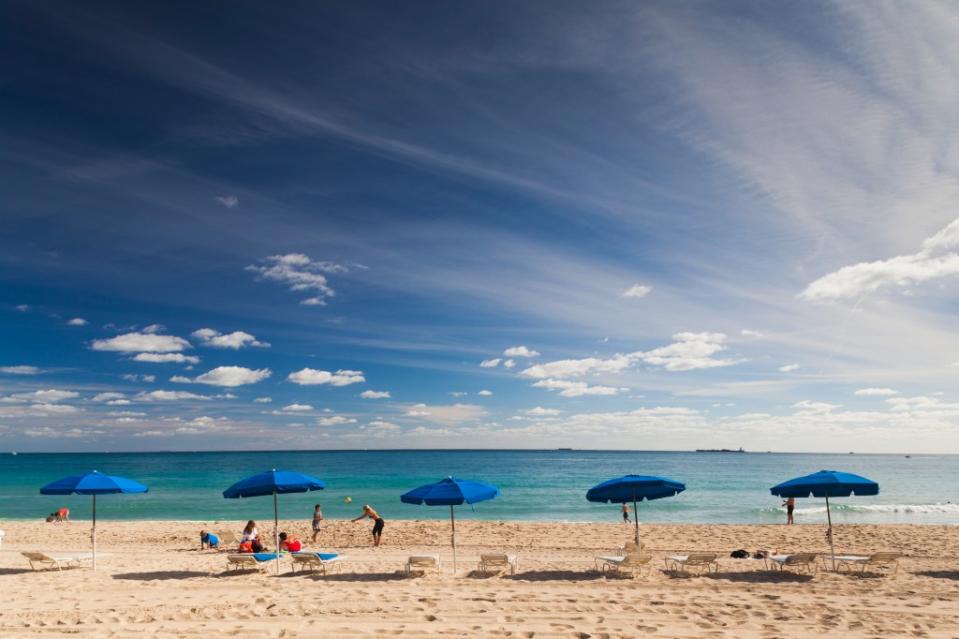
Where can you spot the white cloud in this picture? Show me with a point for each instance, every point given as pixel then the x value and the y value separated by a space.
pixel 235 340
pixel 788 368
pixel 161 358
pixel 231 376
pixel 508 363
pixel 229 201
pixel 153 328
pixel 485 393
pixel 876 392
pixel 48 395
pixel 690 351
pixel 491 363
pixel 335 420
pixel 372 394
pixel 130 377
pixel 181 379
pixel 263 400
pixel 313 377
pixel 577 367
pixel 57 409
pixel 457 394
pixel 107 396
pixel 141 342
pixel 20 370
pixel 300 273
pixel 77 321
pixel 637 291
pixel 520 351
pixel 539 411
pixel 168 396
pixel 576 389
pixel 936 258
pixel 447 414
pixel 23 308
pixel 749 333
pixel 297 408
pixel 118 402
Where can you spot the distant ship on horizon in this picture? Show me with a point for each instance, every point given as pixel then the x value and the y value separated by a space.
pixel 719 450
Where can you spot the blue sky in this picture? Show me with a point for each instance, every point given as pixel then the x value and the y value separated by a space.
pixel 659 225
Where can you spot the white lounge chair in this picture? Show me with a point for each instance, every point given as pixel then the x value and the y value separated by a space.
pixel 630 558
pixel 800 562
pixel 58 561
pixel 879 561
pixel 315 561
pixel 422 562
pixel 247 561
pixel 497 562
pixel 702 560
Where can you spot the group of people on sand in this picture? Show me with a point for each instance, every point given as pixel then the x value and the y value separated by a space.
pixel 250 541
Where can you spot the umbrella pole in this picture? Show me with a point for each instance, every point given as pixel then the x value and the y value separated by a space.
pixel 636 517
pixel 636 521
pixel 93 533
pixel 832 548
pixel 453 537
pixel 276 532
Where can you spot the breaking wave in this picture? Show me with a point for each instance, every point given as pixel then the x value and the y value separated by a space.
pixel 907 509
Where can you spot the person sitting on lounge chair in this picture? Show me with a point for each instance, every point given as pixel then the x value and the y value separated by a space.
pixel 288 543
pixel 250 539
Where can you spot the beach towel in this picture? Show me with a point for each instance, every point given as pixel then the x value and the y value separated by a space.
pixel 264 556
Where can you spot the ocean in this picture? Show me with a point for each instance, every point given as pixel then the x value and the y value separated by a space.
pixel 534 485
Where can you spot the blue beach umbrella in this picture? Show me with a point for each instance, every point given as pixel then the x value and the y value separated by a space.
pixel 274 482
pixel 634 488
pixel 95 483
pixel 451 492
pixel 826 483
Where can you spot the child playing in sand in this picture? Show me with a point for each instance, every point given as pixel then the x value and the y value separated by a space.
pixel 209 540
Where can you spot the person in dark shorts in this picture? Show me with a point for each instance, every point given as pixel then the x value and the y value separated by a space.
pixel 790 505
pixel 378 523
pixel 625 510
pixel 317 521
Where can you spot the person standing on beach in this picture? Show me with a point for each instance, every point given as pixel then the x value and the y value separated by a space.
pixel 790 505
pixel 625 510
pixel 317 521
pixel 378 523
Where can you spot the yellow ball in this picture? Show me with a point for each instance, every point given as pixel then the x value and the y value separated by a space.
pixel 347 500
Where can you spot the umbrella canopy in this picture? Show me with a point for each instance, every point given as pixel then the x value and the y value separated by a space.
pixel 95 483
pixel 274 482
pixel 827 483
pixel 451 492
pixel 634 488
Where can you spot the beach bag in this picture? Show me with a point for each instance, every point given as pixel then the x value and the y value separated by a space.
pixel 246 546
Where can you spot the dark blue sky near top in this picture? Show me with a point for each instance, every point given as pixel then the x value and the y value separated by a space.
pixel 469 178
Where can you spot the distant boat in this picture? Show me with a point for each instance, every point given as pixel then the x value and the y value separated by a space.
pixel 719 450
pixel 564 449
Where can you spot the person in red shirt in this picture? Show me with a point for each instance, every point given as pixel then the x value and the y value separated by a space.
pixel 63 514
pixel 290 543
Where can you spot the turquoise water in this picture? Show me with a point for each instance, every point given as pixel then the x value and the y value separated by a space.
pixel 535 485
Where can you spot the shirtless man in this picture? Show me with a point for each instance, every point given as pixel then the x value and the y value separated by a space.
pixel 378 523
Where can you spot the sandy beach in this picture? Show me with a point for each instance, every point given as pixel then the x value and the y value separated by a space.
pixel 156 582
